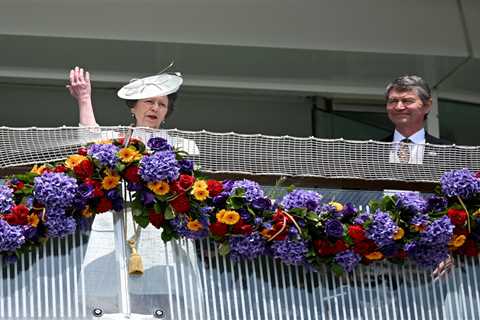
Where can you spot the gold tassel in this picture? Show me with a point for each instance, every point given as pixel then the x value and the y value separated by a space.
pixel 135 264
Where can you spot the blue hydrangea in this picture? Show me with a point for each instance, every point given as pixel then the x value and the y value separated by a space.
pixel 439 232
pixel 252 189
pixel 106 154
pixel 247 247
pixel 6 199
pixel 461 183
pixel 420 220
pixel 11 237
pixel 348 260
pixel 411 202
pixel 301 199
pixel 425 255
pixel 55 189
pixel 58 224
pixel 159 166
pixel 290 251
pixel 382 229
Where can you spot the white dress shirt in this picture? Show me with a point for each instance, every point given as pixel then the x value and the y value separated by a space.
pixel 416 147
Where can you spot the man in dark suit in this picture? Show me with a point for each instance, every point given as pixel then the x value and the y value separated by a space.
pixel 408 102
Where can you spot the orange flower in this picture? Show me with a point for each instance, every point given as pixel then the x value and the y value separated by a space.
pixel 110 182
pixel 159 187
pixel 377 255
pixel 74 160
pixel 87 213
pixel 128 155
pixel 38 169
pixel 398 234
pixel 33 220
pixel 458 241
pixel 229 217
pixel 200 194
pixel 194 225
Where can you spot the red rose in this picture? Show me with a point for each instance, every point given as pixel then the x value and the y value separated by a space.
pixel 241 227
pixel 18 215
pixel 156 218
pixel 185 181
pixel 84 169
pixel 218 229
pixel 278 216
pixel 180 203
pixel 357 233
pixel 104 205
pixel 214 187
pixel 131 174
pixel 364 247
pixel 18 186
pixel 458 217
pixel 325 247
pixel 60 168
pixel 175 187
pixel 469 248
pixel 82 151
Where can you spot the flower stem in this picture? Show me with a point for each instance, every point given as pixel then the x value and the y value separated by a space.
pixel 468 214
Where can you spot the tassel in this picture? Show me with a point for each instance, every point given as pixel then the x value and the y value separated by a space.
pixel 135 264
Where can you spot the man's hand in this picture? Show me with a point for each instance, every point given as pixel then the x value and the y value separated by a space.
pixel 443 268
pixel 80 87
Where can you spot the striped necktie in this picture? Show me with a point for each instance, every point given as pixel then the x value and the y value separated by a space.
pixel 403 152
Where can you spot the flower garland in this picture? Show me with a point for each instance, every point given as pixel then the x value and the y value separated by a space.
pixel 54 200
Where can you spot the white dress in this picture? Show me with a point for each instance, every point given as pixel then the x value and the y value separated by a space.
pixel 171 274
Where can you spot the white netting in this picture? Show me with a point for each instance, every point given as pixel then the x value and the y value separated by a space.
pixel 254 154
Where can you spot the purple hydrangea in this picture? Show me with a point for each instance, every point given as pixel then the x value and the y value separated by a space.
pixel 348 212
pixel 11 237
pixel 426 256
pixel 439 232
pixel 179 224
pixel 301 199
pixel 55 189
pixel 252 189
pixel 262 204
pixel 58 224
pixel 436 203
pixel 362 218
pixel 461 183
pixel 420 220
pixel 106 154
pixel 334 228
pixel 159 166
pixel 247 247
pixel 382 229
pixel 347 259
pixel 159 144
pixel 6 199
pixel 290 251
pixel 411 202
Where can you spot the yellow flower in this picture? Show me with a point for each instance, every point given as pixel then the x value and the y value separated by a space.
pixel 38 170
pixel 110 182
pixel 194 225
pixel 159 187
pixel 33 220
pixel 374 256
pixel 200 194
pixel 200 184
pixel 108 141
pixel 229 217
pixel 338 206
pixel 87 213
pixel 418 227
pixel 398 234
pixel 74 160
pixel 128 155
pixel 458 241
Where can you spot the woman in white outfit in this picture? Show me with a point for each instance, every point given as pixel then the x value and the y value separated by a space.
pixel 171 273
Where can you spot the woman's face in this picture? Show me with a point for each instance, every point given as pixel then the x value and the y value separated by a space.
pixel 150 112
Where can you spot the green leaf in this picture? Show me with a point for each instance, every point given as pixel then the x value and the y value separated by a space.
pixel 158 207
pixel 337 269
pixel 312 216
pixel 142 220
pixel 120 166
pixel 169 214
pixel 224 248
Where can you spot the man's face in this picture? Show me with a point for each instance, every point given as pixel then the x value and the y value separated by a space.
pixel 406 110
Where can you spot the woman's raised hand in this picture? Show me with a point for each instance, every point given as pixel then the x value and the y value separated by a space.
pixel 80 87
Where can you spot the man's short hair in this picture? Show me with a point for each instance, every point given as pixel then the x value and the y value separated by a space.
pixel 410 83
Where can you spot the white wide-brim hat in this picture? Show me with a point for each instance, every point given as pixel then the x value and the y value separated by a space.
pixel 158 85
